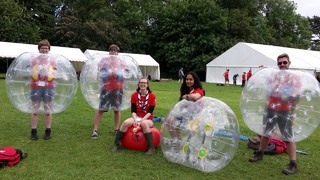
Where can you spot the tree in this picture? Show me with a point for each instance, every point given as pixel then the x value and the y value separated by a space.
pixel 315 28
pixel 133 16
pixel 188 34
pixel 87 27
pixel 102 22
pixel 42 13
pixel 284 25
pixel 70 31
pixel 16 24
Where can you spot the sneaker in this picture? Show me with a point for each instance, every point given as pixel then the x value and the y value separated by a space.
pixel 94 134
pixel 24 155
pixel 257 156
pixel 291 169
pixel 34 135
pixel 47 135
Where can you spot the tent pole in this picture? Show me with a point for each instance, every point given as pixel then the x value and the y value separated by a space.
pixel 145 71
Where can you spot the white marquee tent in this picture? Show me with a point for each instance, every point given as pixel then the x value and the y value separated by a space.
pixel 13 50
pixel 244 56
pixel 146 63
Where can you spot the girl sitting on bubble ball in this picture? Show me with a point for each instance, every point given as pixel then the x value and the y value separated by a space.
pixel 143 102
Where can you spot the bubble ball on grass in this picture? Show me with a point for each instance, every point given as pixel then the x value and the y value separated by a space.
pixel 203 135
pixel 293 91
pixel 33 73
pixel 103 71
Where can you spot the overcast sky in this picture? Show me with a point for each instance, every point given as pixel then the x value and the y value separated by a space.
pixel 308 7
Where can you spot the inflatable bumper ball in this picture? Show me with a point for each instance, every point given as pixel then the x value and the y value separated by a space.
pixel 34 79
pixel 109 74
pixel 281 103
pixel 203 135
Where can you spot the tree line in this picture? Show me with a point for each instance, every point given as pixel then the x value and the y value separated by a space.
pixel 177 33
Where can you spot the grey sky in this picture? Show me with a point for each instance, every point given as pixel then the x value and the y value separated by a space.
pixel 308 7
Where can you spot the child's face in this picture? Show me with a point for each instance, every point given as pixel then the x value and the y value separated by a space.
pixel 44 49
pixel 189 81
pixel 113 52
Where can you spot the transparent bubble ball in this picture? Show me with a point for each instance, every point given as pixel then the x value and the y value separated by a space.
pixel 35 78
pixel 203 135
pixel 291 90
pixel 103 72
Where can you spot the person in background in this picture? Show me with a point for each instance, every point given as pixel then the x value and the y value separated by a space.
pixel 42 88
pixel 226 77
pixel 243 79
pixel 143 103
pixel 235 79
pixel 111 90
pixel 249 74
pixel 180 75
pixel 282 114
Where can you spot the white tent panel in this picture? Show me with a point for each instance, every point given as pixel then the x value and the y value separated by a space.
pixel 244 56
pixel 299 58
pixel 146 63
pixel 13 50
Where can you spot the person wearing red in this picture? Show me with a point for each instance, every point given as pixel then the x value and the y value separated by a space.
pixel 143 103
pixel 226 77
pixel 243 79
pixel 191 89
pixel 280 106
pixel 249 74
pixel 42 88
pixel 111 77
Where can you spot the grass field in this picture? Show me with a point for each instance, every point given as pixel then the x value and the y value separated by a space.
pixel 73 154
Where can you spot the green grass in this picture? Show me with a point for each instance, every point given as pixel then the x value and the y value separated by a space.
pixel 72 154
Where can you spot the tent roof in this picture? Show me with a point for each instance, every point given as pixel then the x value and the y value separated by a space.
pixel 13 50
pixel 253 55
pixel 142 59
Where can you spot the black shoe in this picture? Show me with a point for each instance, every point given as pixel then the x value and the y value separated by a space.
pixel 257 156
pixel 23 156
pixel 150 151
pixel 115 131
pixel 291 169
pixel 47 135
pixel 117 140
pixel 34 135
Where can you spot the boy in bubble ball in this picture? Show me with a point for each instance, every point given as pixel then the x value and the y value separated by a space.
pixel 42 88
pixel 280 106
pixel 111 75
